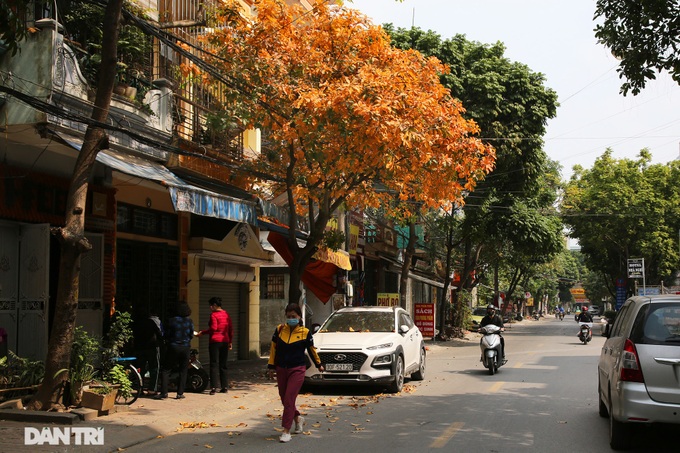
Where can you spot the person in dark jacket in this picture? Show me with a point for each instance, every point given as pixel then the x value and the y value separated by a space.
pixel 148 332
pixel 178 334
pixel 584 316
pixel 221 332
pixel 495 319
pixel 287 357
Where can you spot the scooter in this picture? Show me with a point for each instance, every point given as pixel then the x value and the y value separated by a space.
pixel 585 333
pixel 197 378
pixel 561 316
pixel 492 349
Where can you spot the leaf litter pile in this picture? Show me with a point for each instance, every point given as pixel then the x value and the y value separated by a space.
pixel 335 417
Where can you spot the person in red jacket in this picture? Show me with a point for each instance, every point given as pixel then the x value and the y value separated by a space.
pixel 221 332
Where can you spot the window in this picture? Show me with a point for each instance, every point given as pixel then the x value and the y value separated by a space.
pixel 275 287
pixel 147 222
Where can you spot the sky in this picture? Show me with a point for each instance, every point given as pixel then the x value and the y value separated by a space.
pixel 556 38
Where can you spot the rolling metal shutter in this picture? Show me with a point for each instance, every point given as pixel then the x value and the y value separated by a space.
pixel 229 292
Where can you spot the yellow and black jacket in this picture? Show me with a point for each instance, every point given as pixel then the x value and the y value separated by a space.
pixel 288 347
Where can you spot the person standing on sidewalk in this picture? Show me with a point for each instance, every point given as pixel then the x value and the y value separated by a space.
pixel 221 332
pixel 148 335
pixel 178 334
pixel 287 357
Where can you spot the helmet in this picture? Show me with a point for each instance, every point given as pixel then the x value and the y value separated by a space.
pixel 585 308
pixel 490 307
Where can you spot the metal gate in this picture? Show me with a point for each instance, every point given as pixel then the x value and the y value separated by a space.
pixel 230 294
pixel 24 287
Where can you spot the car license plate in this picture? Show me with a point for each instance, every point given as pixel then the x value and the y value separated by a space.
pixel 339 367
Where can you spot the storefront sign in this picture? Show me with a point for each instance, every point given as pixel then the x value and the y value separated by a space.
pixel 388 299
pixel 424 319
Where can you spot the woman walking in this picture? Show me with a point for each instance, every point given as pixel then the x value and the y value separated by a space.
pixel 221 333
pixel 287 357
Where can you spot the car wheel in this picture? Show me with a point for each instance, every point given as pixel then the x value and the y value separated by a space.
pixel 420 374
pixel 398 383
pixel 619 433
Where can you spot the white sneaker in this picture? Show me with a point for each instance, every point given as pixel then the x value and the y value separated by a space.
pixel 285 437
pixel 299 425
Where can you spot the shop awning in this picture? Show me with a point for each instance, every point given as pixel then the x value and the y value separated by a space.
pixel 185 197
pixel 339 257
pixel 319 276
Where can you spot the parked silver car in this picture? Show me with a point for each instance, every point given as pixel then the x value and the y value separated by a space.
pixel 639 367
pixel 368 345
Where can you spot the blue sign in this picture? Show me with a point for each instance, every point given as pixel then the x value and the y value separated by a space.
pixel 620 293
pixel 649 291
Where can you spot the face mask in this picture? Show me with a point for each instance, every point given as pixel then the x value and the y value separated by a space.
pixel 292 322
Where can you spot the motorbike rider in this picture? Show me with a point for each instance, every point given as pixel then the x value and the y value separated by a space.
pixel 495 319
pixel 584 316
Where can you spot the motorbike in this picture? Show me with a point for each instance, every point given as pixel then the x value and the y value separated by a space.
pixel 492 349
pixel 561 315
pixel 197 378
pixel 585 333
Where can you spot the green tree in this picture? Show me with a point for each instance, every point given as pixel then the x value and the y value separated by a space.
pixel 503 231
pixel 511 105
pixel 644 35
pixel 621 209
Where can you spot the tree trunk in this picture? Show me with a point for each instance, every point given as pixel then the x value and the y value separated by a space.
pixel 447 273
pixel 72 235
pixel 409 252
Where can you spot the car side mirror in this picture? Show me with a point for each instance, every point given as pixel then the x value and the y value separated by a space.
pixel 403 329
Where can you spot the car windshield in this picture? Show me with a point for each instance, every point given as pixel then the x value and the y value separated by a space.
pixel 479 312
pixel 365 321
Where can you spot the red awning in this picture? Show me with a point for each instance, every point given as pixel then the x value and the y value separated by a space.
pixel 318 275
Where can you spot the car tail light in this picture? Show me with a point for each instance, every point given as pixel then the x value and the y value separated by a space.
pixel 630 365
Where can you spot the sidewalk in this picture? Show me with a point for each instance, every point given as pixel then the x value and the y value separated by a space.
pixel 250 394
pixel 251 403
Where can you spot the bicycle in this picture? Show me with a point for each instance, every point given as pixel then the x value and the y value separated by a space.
pixel 132 373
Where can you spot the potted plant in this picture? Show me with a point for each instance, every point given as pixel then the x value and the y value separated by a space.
pixel 84 352
pixel 99 395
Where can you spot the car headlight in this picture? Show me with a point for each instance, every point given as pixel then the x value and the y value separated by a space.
pixel 382 360
pixel 380 346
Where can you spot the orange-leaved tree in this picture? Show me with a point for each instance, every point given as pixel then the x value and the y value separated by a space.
pixel 341 110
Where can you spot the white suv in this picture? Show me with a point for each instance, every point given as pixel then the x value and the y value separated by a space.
pixel 639 367
pixel 368 345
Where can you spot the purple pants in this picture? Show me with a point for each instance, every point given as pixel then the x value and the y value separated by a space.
pixel 289 381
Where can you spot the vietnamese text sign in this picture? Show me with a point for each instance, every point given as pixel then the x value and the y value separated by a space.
pixel 424 319
pixel 388 299
pixel 636 268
